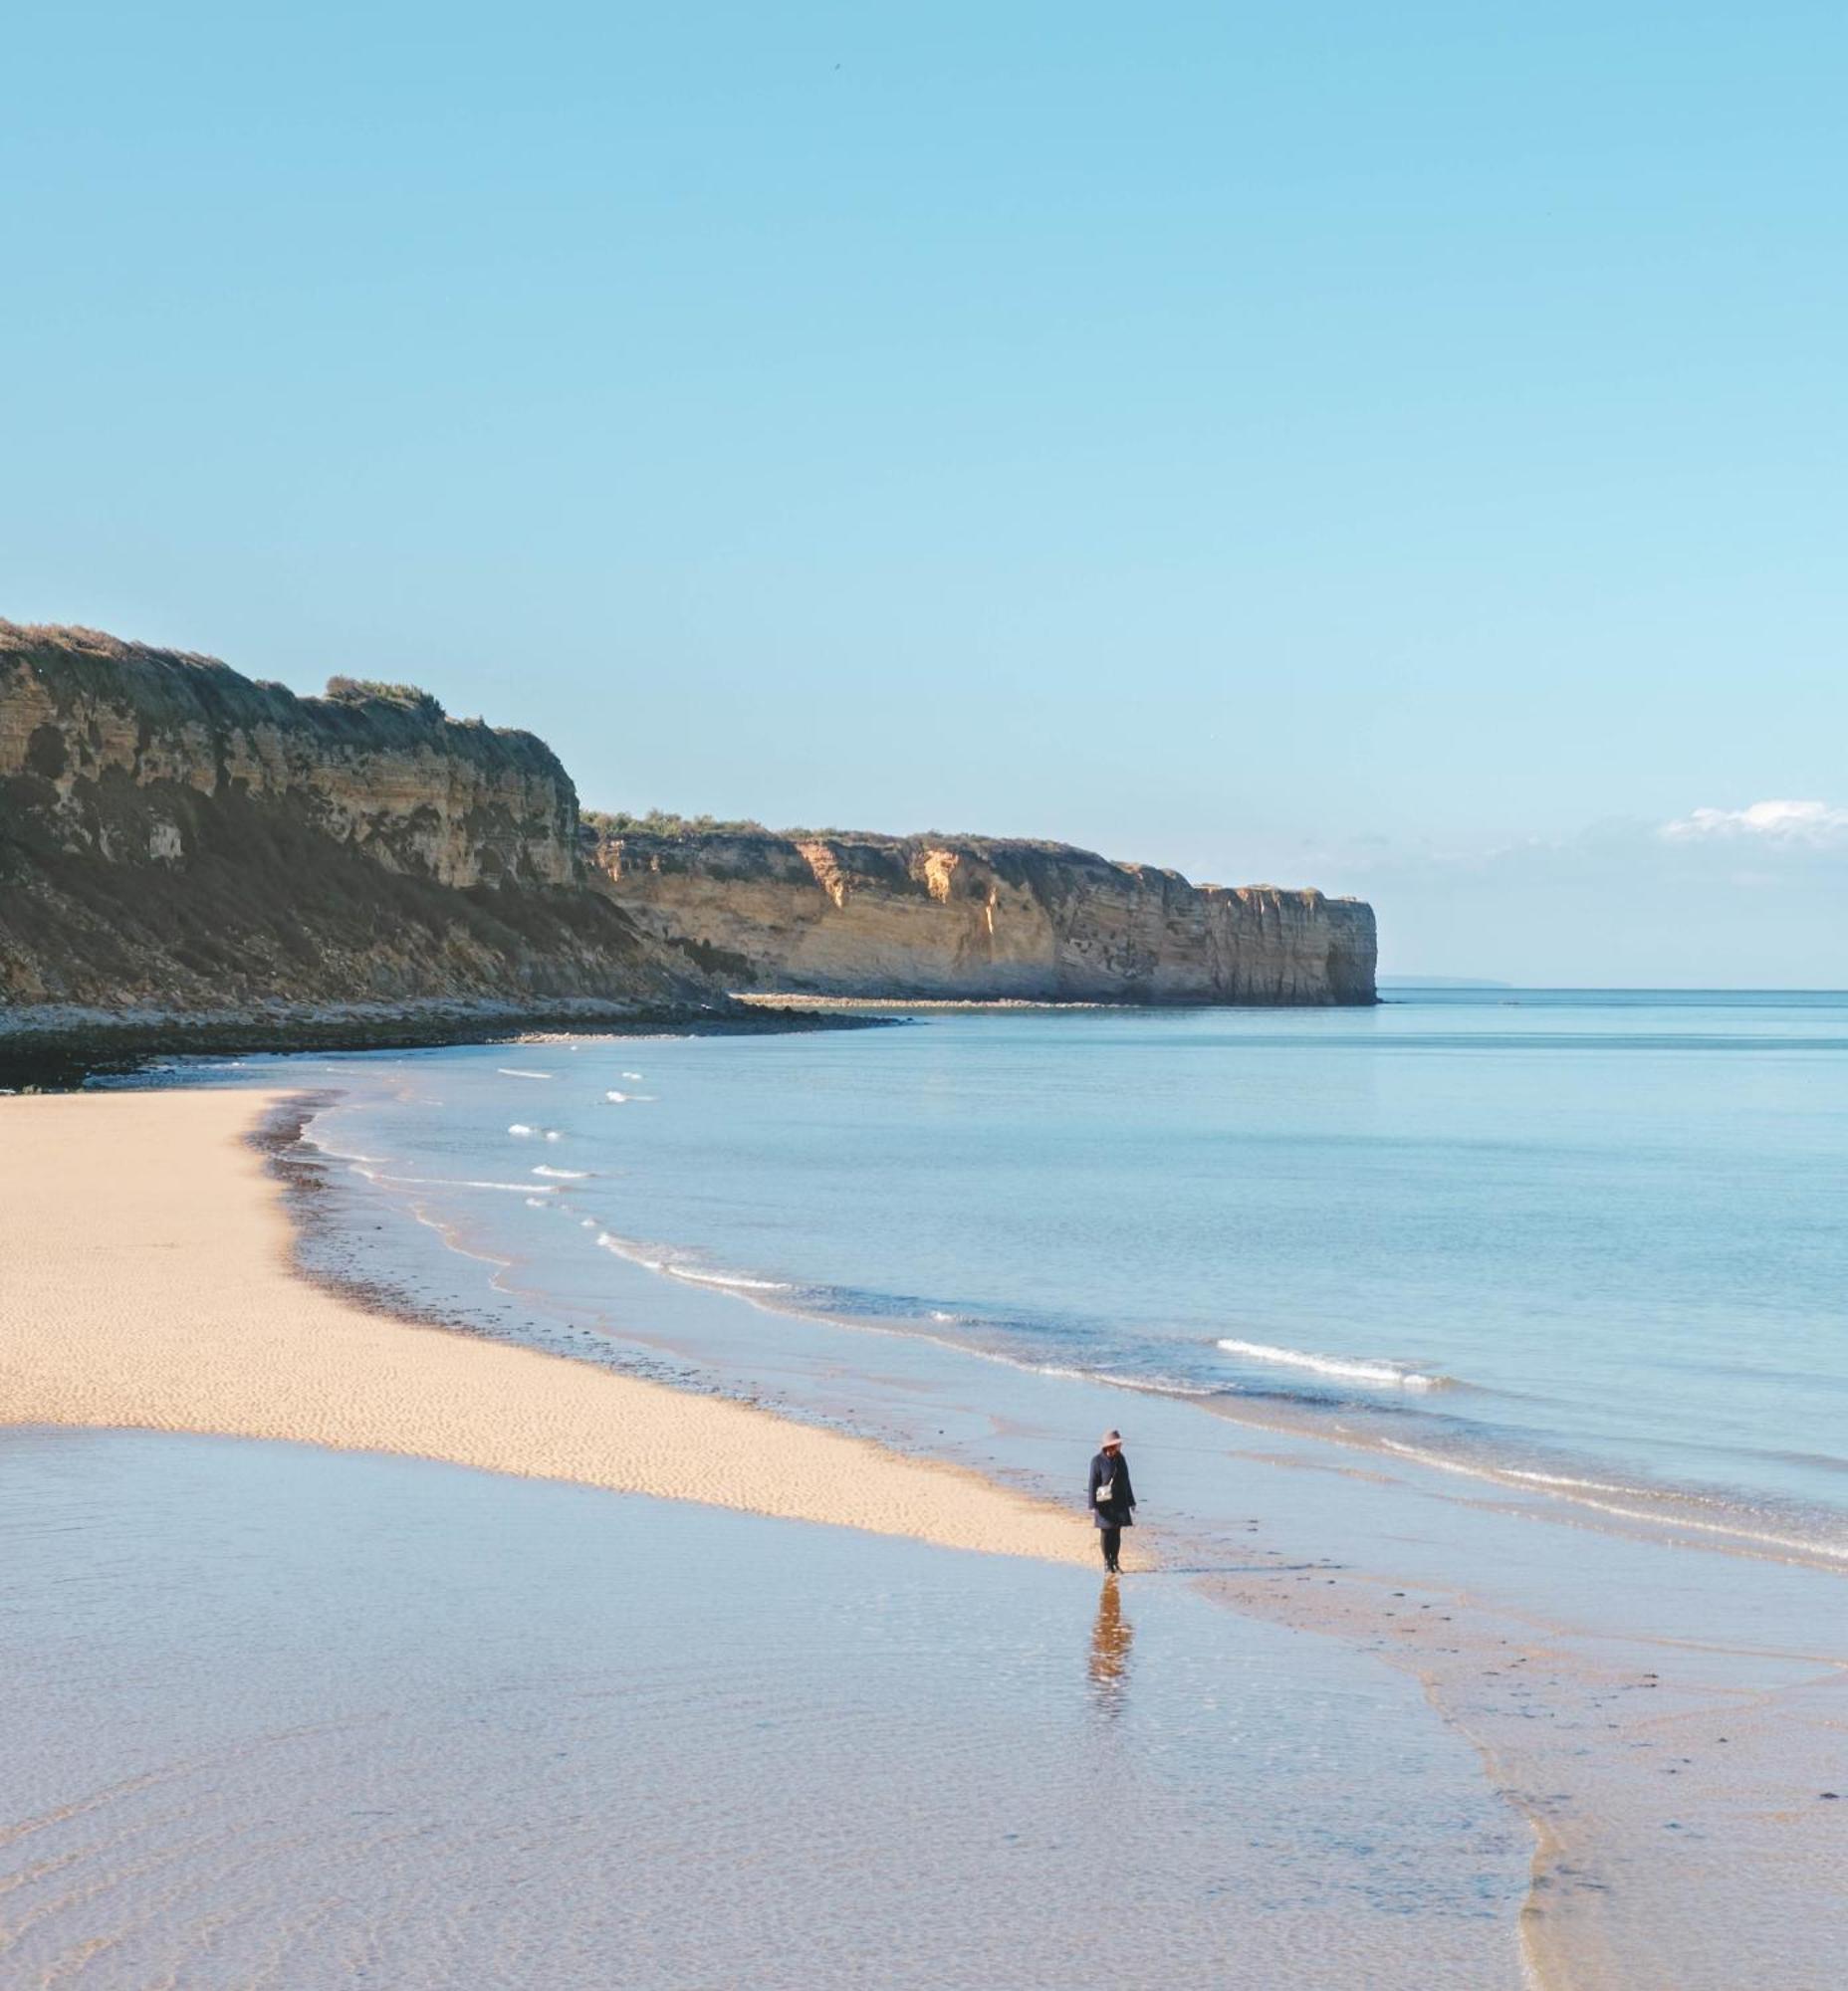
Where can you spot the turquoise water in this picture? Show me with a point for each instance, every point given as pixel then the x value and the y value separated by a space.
pixel 1580 1241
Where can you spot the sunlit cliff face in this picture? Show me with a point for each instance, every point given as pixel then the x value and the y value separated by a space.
pixel 974 918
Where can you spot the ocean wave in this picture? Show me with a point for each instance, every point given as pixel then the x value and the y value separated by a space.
pixel 563 1175
pixel 515 1071
pixel 628 1098
pixel 694 1275
pixel 522 1132
pixel 1566 1481
pixel 1669 1508
pixel 1347 1368
pixel 608 1240
pixel 449 1181
pixel 734 1280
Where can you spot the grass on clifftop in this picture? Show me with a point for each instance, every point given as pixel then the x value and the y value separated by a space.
pixel 665 823
pixel 364 691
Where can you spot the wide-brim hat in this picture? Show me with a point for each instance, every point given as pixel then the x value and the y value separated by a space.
pixel 1112 1437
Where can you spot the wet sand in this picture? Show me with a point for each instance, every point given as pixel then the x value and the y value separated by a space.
pixel 149 1283
pixel 282 1717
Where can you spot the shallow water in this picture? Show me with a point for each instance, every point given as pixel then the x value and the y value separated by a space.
pixel 1591 1242
pixel 277 1717
pixel 1608 1544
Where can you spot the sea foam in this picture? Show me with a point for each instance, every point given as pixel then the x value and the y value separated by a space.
pixel 735 1280
pixel 1345 1368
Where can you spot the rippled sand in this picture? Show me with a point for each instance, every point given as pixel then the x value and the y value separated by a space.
pixel 291 1718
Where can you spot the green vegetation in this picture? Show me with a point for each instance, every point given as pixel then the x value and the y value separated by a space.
pixel 364 691
pixel 664 822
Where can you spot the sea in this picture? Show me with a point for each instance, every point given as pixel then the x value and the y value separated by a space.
pixel 1585 1243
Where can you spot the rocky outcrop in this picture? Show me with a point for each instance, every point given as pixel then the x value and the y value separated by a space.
pixel 979 919
pixel 179 842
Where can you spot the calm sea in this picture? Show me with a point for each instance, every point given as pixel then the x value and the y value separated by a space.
pixel 1587 1241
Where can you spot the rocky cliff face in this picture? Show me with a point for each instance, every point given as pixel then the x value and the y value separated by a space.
pixel 179 844
pixel 967 917
pixel 175 839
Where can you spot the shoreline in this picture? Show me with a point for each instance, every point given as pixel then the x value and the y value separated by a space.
pixel 1575 1720
pixel 55 1048
pixel 170 1303
pixel 797 1001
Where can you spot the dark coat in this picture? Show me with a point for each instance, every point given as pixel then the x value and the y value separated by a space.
pixel 1120 1510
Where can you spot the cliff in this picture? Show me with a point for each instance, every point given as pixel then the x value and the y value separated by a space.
pixel 978 918
pixel 183 849
pixel 177 842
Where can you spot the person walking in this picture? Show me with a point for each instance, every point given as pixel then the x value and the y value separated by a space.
pixel 1113 1499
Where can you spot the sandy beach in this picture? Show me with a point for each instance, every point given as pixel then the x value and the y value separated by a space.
pixel 297 1713
pixel 150 1284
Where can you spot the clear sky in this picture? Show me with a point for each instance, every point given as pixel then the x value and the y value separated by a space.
pixel 1395 448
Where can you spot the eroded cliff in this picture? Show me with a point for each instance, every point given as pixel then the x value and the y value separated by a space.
pixel 979 919
pixel 179 844
pixel 178 841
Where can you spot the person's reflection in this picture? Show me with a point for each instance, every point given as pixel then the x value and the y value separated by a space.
pixel 1111 1637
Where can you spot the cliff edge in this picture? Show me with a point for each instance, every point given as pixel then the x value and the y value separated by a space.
pixel 976 918
pixel 179 844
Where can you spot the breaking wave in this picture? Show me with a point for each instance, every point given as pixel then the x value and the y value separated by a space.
pixel 1345 1368
pixel 638 1254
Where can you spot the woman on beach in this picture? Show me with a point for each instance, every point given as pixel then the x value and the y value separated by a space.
pixel 1113 1499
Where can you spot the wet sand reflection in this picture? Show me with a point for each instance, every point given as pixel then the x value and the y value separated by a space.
pixel 1112 1637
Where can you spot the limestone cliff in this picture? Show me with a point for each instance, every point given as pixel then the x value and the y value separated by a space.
pixel 979 918
pixel 176 840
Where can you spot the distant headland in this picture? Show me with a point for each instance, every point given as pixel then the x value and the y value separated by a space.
pixel 187 855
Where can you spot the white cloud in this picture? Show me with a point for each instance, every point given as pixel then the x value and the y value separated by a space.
pixel 1813 825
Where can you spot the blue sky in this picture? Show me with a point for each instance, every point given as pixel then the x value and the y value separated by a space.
pixel 1396 449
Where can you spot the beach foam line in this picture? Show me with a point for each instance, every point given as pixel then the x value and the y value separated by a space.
pixel 183 1312
pixel 733 1281
pixel 1347 1368
pixel 1668 1513
pixel 448 1182
pixel 694 1275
